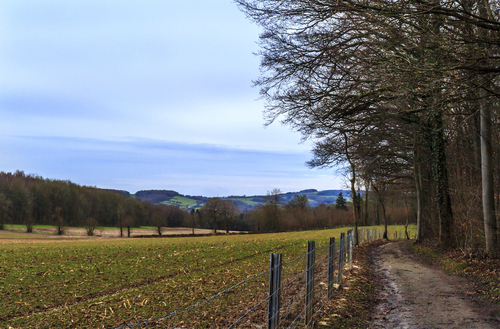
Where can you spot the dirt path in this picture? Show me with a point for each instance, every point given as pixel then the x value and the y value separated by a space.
pixel 415 295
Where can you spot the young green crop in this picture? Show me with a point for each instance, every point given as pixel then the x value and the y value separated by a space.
pixel 108 282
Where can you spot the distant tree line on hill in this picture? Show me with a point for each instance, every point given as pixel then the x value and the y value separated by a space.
pixel 274 215
pixel 32 200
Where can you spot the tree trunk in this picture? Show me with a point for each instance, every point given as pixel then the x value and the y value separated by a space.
pixel 354 200
pixel 490 225
pixel 367 187
pixel 440 173
pixel 382 204
pixel 418 184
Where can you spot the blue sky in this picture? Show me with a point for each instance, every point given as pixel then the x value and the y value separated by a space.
pixel 142 95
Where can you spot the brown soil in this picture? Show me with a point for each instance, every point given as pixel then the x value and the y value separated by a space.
pixel 417 295
pixel 49 235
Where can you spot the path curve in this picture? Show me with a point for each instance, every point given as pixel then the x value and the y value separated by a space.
pixel 415 295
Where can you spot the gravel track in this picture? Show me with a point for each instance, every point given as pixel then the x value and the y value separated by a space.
pixel 415 295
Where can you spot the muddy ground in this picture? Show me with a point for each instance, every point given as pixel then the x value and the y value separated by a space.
pixel 412 294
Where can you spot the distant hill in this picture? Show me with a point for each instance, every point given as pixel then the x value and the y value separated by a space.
pixel 244 202
pixel 126 193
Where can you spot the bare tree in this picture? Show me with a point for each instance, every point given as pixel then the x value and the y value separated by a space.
pixel 228 211
pixel 159 218
pixel 211 210
pixel 91 225
pixel 59 220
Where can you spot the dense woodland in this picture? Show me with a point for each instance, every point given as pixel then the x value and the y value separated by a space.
pixel 32 200
pixel 403 95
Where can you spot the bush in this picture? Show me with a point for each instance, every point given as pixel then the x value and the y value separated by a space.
pixel 91 224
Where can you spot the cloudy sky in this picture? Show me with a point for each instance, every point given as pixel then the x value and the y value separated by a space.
pixel 142 94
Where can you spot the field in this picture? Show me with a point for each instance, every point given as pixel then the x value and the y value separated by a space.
pixel 71 233
pixel 181 201
pixel 103 283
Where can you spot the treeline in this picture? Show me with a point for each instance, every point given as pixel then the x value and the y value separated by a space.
pixel 30 200
pixel 274 215
pixel 403 96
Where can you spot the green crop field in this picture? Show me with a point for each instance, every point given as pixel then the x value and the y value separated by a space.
pixel 248 201
pixel 106 283
pixel 180 201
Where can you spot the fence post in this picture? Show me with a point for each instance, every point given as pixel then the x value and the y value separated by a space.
pixel 341 257
pixel 368 237
pixel 274 291
pixel 348 241
pixel 350 246
pixel 331 266
pixel 310 281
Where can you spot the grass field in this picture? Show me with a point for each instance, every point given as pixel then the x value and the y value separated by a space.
pixel 105 283
pixel 180 201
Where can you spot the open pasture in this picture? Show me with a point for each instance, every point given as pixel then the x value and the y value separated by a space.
pixel 105 283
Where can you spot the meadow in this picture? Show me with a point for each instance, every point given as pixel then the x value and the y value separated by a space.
pixel 104 283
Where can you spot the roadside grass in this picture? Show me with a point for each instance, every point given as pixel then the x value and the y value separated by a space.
pixel 482 271
pixel 353 304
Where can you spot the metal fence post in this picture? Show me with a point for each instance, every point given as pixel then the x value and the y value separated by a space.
pixel 331 266
pixel 310 281
pixel 274 291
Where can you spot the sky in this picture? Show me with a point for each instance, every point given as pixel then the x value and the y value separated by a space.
pixel 142 94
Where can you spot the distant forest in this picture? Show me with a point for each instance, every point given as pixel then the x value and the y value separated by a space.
pixel 32 200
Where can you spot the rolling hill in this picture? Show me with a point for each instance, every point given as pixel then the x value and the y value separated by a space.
pixel 244 202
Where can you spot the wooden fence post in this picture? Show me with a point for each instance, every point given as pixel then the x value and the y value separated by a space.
pixel 310 282
pixel 351 247
pixel 274 291
pixel 331 267
pixel 341 257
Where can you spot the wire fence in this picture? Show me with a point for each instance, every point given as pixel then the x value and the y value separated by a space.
pixel 287 295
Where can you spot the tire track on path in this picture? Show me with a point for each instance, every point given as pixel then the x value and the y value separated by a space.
pixel 415 295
